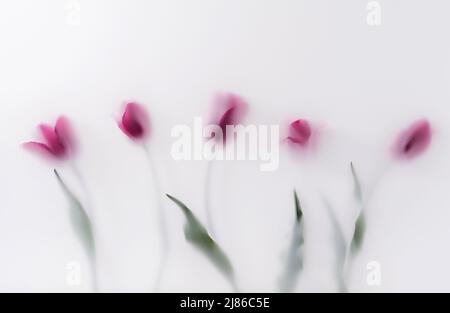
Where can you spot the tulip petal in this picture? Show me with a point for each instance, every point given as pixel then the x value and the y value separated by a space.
pixel 58 142
pixel 227 119
pixel 55 145
pixel 228 110
pixel 414 140
pixel 129 120
pixel 295 140
pixel 64 132
pixel 39 148
pixel 299 132
pixel 135 121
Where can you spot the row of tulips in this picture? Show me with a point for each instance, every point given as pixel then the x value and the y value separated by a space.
pixel 60 144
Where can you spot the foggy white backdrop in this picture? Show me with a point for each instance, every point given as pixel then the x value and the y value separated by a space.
pixel 318 60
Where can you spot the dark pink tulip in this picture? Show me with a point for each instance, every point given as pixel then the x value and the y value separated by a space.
pixel 135 122
pixel 299 132
pixel 228 110
pixel 414 140
pixel 59 142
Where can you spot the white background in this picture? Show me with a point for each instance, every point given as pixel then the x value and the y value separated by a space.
pixel 312 59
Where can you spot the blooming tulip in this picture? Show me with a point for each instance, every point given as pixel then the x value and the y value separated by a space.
pixel 59 142
pixel 228 110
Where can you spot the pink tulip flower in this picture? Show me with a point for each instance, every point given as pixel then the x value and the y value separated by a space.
pixel 229 110
pixel 59 142
pixel 413 141
pixel 135 122
pixel 299 132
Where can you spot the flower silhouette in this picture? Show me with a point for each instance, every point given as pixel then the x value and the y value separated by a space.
pixel 59 141
pixel 228 110
pixel 135 122
pixel 414 140
pixel 60 144
pixel 299 132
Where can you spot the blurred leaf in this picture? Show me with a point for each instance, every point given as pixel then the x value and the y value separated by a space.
pixel 358 236
pixel 197 235
pixel 357 184
pixel 298 208
pixel 294 260
pixel 360 224
pixel 340 246
pixel 79 219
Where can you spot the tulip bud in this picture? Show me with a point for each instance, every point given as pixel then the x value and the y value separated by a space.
pixel 299 132
pixel 135 122
pixel 414 140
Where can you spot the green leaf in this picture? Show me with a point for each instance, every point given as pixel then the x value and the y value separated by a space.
pixel 80 221
pixel 360 224
pixel 298 208
pixel 294 260
pixel 358 235
pixel 357 185
pixel 197 235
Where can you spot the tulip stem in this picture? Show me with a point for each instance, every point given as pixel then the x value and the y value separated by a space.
pixel 162 221
pixel 92 252
pixel 90 214
pixel 93 262
pixel 208 208
pixel 340 246
pixel 84 188
pixel 234 286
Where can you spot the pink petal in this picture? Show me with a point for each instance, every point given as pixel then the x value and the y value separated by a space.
pixel 64 132
pixel 227 119
pixel 135 121
pixel 229 110
pixel 52 140
pixel 414 140
pixel 123 129
pixel 39 148
pixel 300 132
